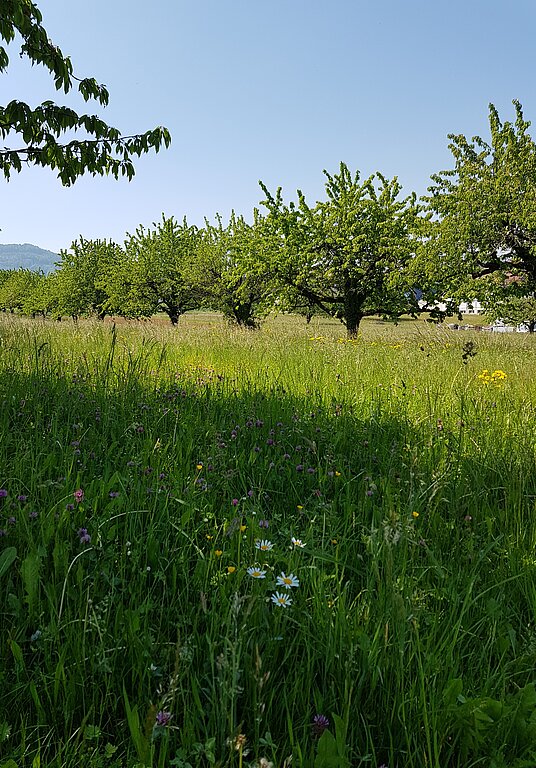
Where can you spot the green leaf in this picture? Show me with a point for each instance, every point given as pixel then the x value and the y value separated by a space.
pixel 7 558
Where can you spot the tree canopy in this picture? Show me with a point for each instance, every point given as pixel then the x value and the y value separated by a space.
pixel 482 237
pixel 347 255
pixel 42 130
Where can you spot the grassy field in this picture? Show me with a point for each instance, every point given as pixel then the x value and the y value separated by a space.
pixel 278 547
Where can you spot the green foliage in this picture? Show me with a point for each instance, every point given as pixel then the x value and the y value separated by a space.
pixel 407 474
pixel 23 291
pixel 482 240
pixel 347 255
pixel 7 558
pixel 79 287
pixel 157 272
pixel 332 750
pixel 230 269
pixel 106 151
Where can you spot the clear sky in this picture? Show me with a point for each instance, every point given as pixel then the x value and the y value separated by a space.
pixel 274 90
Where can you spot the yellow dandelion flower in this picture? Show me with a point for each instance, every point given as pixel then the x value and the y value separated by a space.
pixel 231 569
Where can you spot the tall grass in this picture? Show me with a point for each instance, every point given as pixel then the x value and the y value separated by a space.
pixel 140 466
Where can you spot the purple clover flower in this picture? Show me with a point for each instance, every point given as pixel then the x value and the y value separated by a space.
pixel 3 493
pixel 78 495
pixel 22 498
pixel 163 718
pixel 320 724
pixel 84 536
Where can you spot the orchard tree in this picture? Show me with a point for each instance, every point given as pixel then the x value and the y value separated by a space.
pixel 41 131
pixel 157 275
pixel 348 255
pixel 21 291
pixel 80 286
pixel 481 241
pixel 230 269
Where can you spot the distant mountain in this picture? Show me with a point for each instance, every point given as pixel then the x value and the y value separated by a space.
pixel 27 257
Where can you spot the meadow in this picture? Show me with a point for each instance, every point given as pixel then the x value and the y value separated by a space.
pixel 271 548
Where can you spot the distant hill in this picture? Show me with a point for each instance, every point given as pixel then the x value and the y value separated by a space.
pixel 27 257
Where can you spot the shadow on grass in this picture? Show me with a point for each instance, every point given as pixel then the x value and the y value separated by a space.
pixel 132 596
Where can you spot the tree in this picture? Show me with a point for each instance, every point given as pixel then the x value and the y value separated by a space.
pixel 156 275
pixel 106 151
pixel 80 286
pixel 230 269
pixel 347 255
pixel 482 239
pixel 21 291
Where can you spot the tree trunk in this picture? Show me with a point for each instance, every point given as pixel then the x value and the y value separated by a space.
pixel 352 309
pixel 173 315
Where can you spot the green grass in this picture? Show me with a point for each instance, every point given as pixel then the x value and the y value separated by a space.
pixel 410 479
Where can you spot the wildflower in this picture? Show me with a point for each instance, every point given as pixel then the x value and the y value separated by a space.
pixel 300 506
pixel 218 552
pixel 234 502
pixel 256 573
pixel 36 635
pixel 231 569
pixel 299 467
pixel 12 520
pixel 415 515
pixel 84 536
pixel 287 581
pixel 298 543
pixel 33 515
pixel 264 545
pixel 22 498
pixel 243 528
pixel 69 507
pixel 263 523
pixel 163 718
pixel 3 493
pixel 337 474
pixel 320 724
pixel 78 495
pixel 113 494
pixel 282 599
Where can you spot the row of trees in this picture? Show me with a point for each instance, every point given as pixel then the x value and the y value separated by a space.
pixel 363 250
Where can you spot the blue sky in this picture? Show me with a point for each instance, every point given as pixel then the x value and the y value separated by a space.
pixel 275 91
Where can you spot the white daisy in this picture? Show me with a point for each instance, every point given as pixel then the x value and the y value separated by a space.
pixel 264 545
pixel 281 599
pixel 256 573
pixel 298 543
pixel 287 581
